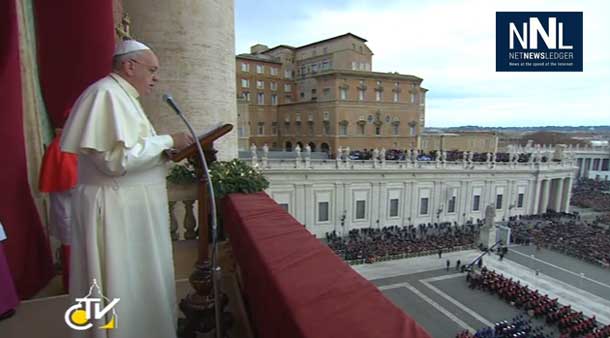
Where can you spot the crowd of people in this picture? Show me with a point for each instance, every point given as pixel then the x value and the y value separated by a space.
pixel 369 245
pixel 569 322
pixel 519 327
pixel 588 193
pixel 567 235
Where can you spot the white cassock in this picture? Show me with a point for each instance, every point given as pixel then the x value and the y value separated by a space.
pixel 120 233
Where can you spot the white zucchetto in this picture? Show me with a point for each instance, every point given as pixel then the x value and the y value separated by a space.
pixel 128 46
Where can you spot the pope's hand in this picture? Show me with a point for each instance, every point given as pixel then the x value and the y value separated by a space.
pixel 182 140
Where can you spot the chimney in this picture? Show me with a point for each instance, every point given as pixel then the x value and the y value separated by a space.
pixel 258 48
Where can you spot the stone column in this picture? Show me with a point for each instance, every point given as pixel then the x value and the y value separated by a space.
pixel 536 197
pixel 544 204
pixel 195 43
pixel 567 192
pixel 558 199
pixel 310 207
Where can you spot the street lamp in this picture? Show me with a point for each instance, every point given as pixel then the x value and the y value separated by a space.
pixel 378 224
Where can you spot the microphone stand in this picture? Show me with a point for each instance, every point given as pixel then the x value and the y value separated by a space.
pixel 215 269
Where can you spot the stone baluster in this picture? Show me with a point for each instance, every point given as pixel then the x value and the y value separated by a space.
pixel 189 220
pixel 382 157
pixel 465 159
pixel 173 222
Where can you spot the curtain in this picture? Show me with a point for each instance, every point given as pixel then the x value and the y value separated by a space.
pixel 27 247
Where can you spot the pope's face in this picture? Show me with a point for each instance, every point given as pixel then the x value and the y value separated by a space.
pixel 143 72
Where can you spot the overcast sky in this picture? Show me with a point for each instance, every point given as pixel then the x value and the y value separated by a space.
pixel 451 45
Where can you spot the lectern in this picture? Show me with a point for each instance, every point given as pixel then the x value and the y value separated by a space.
pixel 198 306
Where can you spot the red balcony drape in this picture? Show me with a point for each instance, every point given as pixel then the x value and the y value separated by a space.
pixel 27 247
pixel 296 286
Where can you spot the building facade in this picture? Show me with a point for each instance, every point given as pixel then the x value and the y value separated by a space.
pixel 326 95
pixel 339 195
pixel 592 162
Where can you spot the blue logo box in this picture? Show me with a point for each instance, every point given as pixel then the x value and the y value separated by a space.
pixel 539 41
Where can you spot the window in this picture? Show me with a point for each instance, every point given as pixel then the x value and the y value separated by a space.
pixel 451 206
pixel 395 130
pixel 260 69
pixel 287 87
pixel 499 201
pixel 245 67
pixel 476 200
pixel 274 129
pixel 241 132
pixel 314 68
pixel 287 99
pixel 422 99
pixel 326 129
pixel 245 83
pixel 343 93
pixel 361 95
pixel 261 129
pixel 360 209
pixel 274 71
pixel 287 74
pixel 311 129
pixel 377 95
pixel 394 207
pixel 354 65
pixel 325 50
pixel 361 129
pixel 423 206
pixel 520 199
pixel 377 130
pixel 412 131
pixel 273 86
pixel 412 98
pixel 326 92
pixel 396 98
pixel 284 206
pixel 260 98
pixel 322 211
pixel 274 99
pixel 260 84
pixel 343 129
pixel 362 67
pixel 246 96
pixel 325 65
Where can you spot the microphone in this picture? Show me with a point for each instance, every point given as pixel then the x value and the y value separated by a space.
pixel 215 268
pixel 170 101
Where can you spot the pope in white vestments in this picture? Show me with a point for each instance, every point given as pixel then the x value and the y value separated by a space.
pixel 120 234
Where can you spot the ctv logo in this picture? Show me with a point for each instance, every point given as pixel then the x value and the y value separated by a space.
pixel 539 41
pixel 91 309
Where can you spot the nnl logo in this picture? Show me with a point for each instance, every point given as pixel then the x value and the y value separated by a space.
pixel 536 30
pixel 539 41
